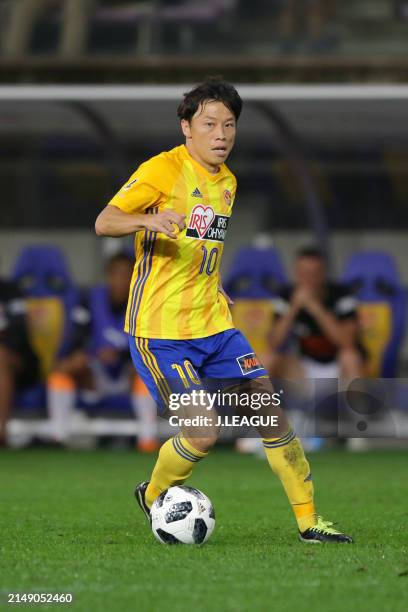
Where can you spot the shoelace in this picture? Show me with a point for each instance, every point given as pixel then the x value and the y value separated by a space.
pixel 325 527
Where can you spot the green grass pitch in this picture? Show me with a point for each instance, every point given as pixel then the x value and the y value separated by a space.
pixel 69 523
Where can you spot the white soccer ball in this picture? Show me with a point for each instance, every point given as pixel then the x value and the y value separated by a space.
pixel 182 515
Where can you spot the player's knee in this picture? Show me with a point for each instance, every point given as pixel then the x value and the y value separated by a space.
pixel 205 442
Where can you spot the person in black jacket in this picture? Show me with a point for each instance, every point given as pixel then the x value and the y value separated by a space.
pixel 19 365
pixel 318 318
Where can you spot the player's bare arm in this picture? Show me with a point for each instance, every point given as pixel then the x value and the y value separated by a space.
pixel 114 222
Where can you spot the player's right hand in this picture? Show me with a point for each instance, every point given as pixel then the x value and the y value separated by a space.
pixel 165 221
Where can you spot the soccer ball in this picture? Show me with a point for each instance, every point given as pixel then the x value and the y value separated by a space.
pixel 182 515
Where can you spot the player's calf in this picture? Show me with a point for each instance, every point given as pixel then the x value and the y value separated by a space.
pixel 175 463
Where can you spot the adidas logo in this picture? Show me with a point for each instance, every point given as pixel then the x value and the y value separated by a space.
pixel 197 193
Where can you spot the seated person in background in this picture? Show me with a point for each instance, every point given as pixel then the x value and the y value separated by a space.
pixel 98 363
pixel 321 317
pixel 19 366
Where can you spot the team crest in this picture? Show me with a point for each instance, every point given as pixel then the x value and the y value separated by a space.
pixel 227 197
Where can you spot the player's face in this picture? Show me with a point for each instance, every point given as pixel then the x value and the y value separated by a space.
pixel 310 273
pixel 118 277
pixel 210 135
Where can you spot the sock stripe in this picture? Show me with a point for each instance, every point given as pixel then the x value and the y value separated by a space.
pixel 180 452
pixel 280 441
pixel 273 441
pixel 183 451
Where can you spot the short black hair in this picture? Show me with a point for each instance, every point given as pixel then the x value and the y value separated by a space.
pixel 213 88
pixel 311 251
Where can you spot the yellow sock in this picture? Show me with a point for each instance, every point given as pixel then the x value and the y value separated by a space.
pixel 173 466
pixel 287 459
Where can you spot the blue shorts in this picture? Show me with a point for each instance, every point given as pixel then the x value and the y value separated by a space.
pixel 177 366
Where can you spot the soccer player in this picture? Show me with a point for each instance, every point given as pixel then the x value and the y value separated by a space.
pixel 179 204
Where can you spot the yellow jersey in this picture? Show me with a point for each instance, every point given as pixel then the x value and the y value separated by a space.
pixel 174 291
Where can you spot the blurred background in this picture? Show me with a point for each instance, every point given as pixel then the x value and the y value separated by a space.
pixel 89 90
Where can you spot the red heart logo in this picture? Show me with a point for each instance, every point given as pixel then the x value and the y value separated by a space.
pixel 201 219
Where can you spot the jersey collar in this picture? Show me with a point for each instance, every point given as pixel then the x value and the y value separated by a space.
pixel 211 177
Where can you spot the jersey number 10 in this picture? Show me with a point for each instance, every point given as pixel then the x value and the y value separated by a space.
pixel 209 262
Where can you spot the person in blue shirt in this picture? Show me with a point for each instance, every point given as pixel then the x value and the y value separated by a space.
pixel 98 364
